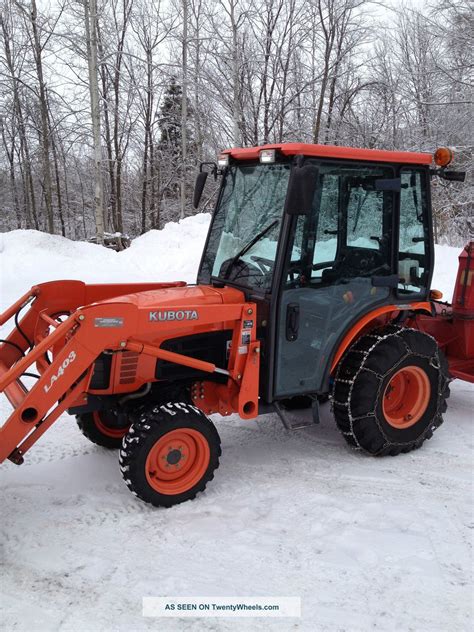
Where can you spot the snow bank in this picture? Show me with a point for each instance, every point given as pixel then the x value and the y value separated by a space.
pixel 28 257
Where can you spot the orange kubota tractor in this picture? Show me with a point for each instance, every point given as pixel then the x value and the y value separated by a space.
pixel 314 281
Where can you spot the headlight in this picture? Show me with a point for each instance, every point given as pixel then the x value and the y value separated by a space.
pixel 223 160
pixel 267 156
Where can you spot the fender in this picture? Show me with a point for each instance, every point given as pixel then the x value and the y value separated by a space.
pixel 357 329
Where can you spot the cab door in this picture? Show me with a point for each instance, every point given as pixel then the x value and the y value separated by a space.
pixel 339 266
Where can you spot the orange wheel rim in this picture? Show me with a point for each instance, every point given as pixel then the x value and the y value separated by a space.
pixel 177 461
pixel 406 397
pixel 108 431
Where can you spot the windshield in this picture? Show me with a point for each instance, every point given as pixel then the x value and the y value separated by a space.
pixel 250 206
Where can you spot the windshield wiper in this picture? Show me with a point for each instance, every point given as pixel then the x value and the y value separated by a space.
pixel 247 247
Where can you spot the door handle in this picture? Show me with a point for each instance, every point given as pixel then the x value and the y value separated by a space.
pixel 292 321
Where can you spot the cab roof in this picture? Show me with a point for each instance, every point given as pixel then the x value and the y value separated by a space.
pixel 333 151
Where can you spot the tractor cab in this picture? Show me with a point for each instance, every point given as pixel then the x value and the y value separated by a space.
pixel 318 237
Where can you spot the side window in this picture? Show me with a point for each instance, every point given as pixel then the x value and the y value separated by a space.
pixel 413 235
pixel 326 238
pixel 296 251
pixel 364 218
pixel 348 234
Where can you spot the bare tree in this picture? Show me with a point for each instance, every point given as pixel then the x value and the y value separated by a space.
pixel 90 17
pixel 17 122
pixel 35 31
pixel 184 107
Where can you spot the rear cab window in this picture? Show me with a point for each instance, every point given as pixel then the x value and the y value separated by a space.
pixel 413 233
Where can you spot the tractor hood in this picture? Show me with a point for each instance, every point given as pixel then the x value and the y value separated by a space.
pixel 160 313
pixel 181 296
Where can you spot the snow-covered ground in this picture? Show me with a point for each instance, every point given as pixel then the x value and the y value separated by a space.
pixel 366 543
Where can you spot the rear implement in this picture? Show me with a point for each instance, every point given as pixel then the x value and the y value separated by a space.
pixel 452 324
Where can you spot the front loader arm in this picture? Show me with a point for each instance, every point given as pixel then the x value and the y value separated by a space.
pixel 60 384
pixel 74 345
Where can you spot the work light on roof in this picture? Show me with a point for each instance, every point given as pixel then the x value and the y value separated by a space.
pixel 223 160
pixel 267 156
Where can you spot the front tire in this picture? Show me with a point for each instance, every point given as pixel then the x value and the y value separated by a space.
pixel 390 391
pixel 170 454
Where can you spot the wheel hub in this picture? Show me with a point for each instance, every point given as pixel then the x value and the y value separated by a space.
pixel 177 461
pixel 174 457
pixel 406 397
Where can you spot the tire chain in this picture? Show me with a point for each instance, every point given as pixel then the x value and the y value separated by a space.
pixel 434 360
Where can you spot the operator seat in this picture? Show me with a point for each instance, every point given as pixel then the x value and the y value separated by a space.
pixel 356 262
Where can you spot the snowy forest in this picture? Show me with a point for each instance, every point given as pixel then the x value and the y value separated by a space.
pixel 108 106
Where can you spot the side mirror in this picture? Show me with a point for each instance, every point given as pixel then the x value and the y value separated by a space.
pixel 454 176
pixel 199 187
pixel 301 189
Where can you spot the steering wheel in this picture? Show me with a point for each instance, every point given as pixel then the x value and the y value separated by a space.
pixel 246 272
pixel 265 265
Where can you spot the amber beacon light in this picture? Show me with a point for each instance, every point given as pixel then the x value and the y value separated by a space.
pixel 443 156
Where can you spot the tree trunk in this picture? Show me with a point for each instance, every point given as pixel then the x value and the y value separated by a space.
pixel 24 153
pixel 332 96
pixel 90 11
pixel 197 91
pixel 184 110
pixel 11 164
pixel 236 114
pixel 65 176
pixel 108 138
pixel 58 187
pixel 45 131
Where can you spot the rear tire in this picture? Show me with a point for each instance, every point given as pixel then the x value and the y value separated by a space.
pixel 170 454
pixel 390 391
pixel 101 428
